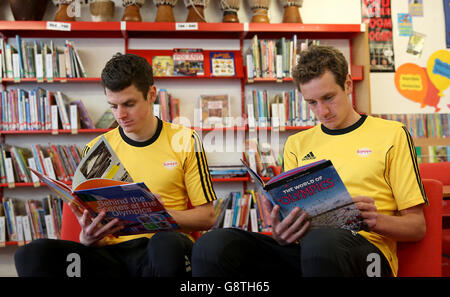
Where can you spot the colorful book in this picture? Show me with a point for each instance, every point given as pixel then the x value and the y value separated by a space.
pixel 317 189
pixel 86 121
pixel 106 121
pixel 222 64
pixel 162 66
pixel 215 110
pixel 101 182
pixel 188 62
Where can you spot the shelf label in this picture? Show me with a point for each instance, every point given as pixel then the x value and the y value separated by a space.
pixel 58 26
pixel 363 27
pixel 186 26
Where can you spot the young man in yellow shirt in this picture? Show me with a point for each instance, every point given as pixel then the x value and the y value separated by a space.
pixel 377 162
pixel 168 158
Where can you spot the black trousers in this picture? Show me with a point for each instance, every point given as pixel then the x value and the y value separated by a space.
pixel 165 254
pixel 321 252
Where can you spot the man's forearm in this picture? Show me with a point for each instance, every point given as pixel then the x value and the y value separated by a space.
pixel 407 227
pixel 198 218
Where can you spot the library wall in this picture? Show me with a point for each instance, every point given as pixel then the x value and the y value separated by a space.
pixel 385 99
pixel 95 52
pixel 384 96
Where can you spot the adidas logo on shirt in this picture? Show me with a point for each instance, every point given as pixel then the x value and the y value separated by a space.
pixel 309 156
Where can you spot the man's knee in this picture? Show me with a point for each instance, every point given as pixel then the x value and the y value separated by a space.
pixel 37 258
pixel 220 252
pixel 331 252
pixel 321 241
pixel 39 247
pixel 170 254
pixel 212 243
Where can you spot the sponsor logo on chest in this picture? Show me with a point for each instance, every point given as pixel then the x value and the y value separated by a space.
pixel 364 152
pixel 170 164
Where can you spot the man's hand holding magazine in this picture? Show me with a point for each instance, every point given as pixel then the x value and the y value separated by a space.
pixel 291 228
pixel 92 230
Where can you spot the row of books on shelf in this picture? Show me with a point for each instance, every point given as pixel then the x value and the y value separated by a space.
pixel 40 109
pixel 39 59
pixel 423 125
pixel 261 158
pixel 433 153
pixel 274 58
pixel 279 111
pixel 55 160
pixel 22 220
pixel 246 211
pixel 60 162
pixel 166 107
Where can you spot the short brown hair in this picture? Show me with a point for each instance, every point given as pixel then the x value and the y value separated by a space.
pixel 314 61
pixel 124 70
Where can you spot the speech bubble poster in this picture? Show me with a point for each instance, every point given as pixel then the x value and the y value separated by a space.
pixel 425 85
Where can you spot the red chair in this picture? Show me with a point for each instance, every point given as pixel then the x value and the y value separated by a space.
pixel 424 257
pixel 441 171
pixel 70 228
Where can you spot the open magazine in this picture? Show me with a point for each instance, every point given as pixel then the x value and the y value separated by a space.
pixel 317 189
pixel 101 182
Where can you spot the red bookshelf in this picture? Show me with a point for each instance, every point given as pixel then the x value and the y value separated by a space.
pixel 59 131
pixel 354 33
pixel 56 79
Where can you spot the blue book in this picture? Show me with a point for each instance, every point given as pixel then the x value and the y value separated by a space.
pixel 317 189
pixel 222 63
pixel 19 50
pixel 236 207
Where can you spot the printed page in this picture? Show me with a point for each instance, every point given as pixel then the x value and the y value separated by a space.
pixel 59 188
pixel 136 207
pixel 100 162
pixel 323 195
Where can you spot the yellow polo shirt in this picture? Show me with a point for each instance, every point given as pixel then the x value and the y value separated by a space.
pixel 172 164
pixel 374 158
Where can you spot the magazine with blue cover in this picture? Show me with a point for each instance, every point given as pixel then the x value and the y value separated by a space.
pixel 101 182
pixel 317 189
pixel 222 63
